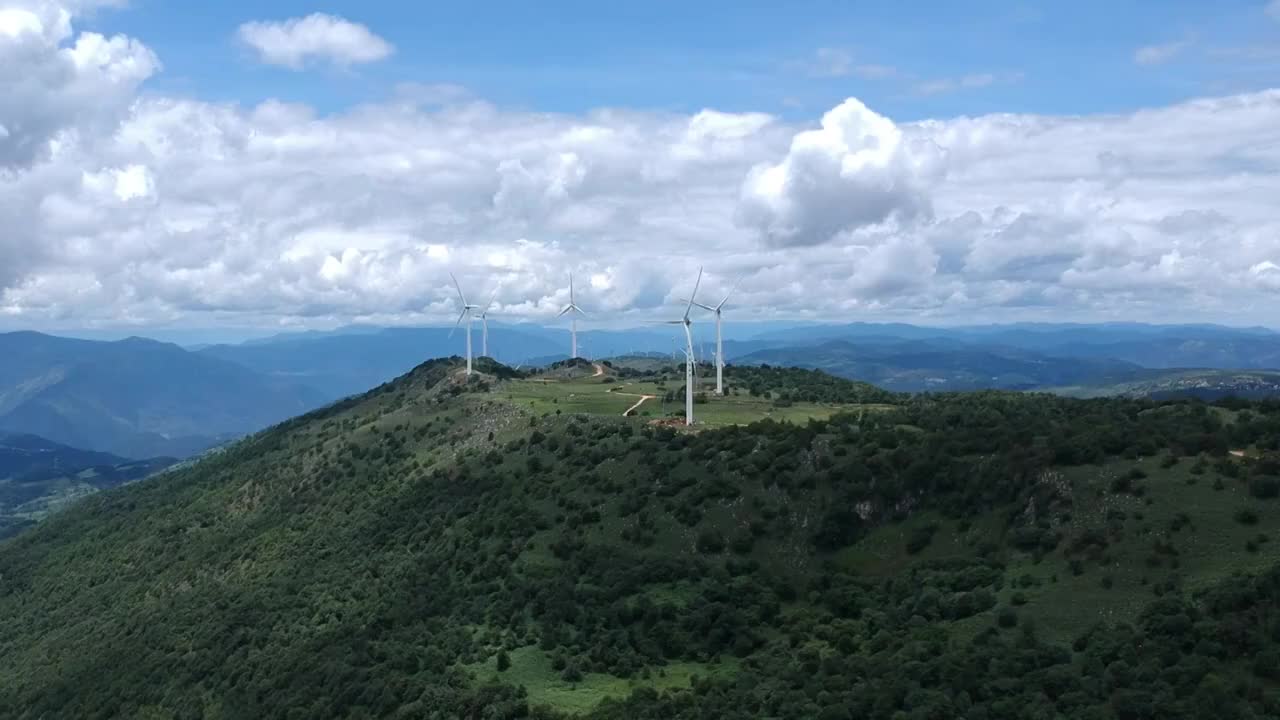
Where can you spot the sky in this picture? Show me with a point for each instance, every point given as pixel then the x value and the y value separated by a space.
pixel 258 167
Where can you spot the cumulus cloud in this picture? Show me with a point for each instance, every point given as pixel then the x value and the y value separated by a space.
pixel 54 82
pixel 145 209
pixel 296 42
pixel 858 169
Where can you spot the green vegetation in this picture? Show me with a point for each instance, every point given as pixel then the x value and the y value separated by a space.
pixel 444 547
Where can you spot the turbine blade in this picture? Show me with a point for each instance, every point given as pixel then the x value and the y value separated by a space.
pixel 459 287
pixel 566 309
pixel 489 304
pixel 729 294
pixel 455 325
pixel 570 288
pixel 693 295
pixel 579 310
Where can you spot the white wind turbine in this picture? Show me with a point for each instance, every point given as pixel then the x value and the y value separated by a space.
pixel 719 336
pixel 688 351
pixel 484 325
pixel 466 313
pixel 573 319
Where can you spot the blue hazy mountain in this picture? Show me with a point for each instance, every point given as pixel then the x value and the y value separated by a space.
pixel 136 397
pixel 1155 346
pixel 945 365
pixel 352 360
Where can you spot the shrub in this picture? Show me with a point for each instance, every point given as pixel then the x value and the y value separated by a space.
pixel 710 541
pixel 571 673
pixel 921 538
pixel 1246 516
pixel 1264 488
pixel 1007 617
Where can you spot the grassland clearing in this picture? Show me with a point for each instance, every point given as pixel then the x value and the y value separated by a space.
pixel 535 670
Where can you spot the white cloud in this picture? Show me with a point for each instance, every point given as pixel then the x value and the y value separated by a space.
pixel 54 82
pixel 1159 54
pixel 119 206
pixel 858 169
pixel 296 42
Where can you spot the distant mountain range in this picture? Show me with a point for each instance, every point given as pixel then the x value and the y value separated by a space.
pixel 347 362
pixel 919 365
pixel 37 476
pixel 142 398
pixel 136 398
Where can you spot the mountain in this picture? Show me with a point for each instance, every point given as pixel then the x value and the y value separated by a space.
pixel 136 397
pixel 352 359
pixel 350 362
pixel 37 475
pixel 1028 335
pixel 1225 353
pixel 940 365
pixel 504 546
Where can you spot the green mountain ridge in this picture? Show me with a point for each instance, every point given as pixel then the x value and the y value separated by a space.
pixel 445 547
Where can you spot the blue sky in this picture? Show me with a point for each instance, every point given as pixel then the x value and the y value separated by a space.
pixel 277 166
pixel 792 60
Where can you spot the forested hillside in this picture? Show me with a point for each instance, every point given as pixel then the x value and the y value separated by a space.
pixel 439 548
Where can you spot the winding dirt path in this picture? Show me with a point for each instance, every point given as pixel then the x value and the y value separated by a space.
pixel 633 408
pixel 599 369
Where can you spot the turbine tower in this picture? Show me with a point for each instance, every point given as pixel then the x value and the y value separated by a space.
pixel 484 325
pixel 466 313
pixel 688 351
pixel 573 319
pixel 719 336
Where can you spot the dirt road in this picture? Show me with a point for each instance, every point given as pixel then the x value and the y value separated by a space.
pixel 633 408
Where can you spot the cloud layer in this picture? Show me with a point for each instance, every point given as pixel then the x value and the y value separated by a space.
pixel 317 37
pixel 140 208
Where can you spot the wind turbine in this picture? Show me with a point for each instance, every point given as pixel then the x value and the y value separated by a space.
pixel 484 325
pixel 466 313
pixel 719 337
pixel 573 319
pixel 688 351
